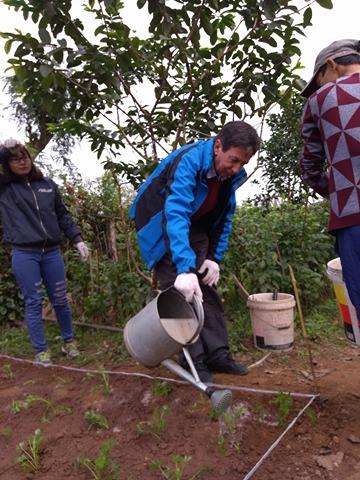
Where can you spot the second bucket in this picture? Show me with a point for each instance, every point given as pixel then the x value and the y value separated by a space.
pixel 347 310
pixel 272 320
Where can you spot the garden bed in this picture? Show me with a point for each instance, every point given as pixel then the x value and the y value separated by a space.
pixel 147 428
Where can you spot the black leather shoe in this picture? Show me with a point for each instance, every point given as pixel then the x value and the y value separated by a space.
pixel 227 365
pixel 202 370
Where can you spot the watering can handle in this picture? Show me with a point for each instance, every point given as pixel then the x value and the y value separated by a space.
pixel 199 312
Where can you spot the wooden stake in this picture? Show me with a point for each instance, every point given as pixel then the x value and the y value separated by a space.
pixel 302 321
pixel 91 273
pixel 243 292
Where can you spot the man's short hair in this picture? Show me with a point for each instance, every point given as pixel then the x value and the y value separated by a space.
pixel 239 134
pixel 353 59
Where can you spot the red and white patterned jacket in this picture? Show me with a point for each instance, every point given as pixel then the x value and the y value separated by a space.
pixel 330 158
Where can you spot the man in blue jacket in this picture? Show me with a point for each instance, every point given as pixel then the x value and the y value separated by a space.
pixel 183 215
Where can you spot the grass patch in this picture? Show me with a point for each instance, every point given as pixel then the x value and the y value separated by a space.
pixel 323 324
pixel 96 346
pixel 15 341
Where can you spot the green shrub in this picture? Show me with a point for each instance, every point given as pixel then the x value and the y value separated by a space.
pixel 265 241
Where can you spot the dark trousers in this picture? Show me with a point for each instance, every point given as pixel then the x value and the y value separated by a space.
pixel 213 340
pixel 348 248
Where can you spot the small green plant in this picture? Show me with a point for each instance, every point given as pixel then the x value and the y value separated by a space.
pixel 161 389
pixel 174 471
pixel 102 467
pixel 8 371
pixel 221 445
pixel 18 405
pixel 311 414
pixel 156 425
pixel 106 387
pixel 96 420
pixel 284 403
pixel 260 411
pixel 231 418
pixel 29 453
pixel 215 414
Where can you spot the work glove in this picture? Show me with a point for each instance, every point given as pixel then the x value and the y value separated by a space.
pixel 212 272
pixel 83 250
pixel 188 285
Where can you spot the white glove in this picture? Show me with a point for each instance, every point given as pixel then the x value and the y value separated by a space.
pixel 83 250
pixel 188 285
pixel 213 272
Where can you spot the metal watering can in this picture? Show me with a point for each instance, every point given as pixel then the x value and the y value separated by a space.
pixel 162 329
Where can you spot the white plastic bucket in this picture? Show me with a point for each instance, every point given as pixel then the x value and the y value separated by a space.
pixel 346 308
pixel 162 328
pixel 272 321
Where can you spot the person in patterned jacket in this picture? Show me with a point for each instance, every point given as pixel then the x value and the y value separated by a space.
pixel 330 158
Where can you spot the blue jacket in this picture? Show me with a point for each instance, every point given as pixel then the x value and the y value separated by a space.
pixel 34 215
pixel 169 198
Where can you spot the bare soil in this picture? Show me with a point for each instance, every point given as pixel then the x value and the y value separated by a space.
pixel 324 443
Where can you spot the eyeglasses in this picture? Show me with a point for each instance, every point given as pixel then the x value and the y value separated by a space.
pixel 19 159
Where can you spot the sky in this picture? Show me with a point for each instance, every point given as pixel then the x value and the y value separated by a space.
pixel 328 25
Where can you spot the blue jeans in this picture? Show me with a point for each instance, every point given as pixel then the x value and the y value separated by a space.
pixel 348 248
pixel 31 269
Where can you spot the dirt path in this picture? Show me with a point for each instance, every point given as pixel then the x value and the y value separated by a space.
pixel 149 423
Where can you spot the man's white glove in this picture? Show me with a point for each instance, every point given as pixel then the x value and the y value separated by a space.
pixel 188 285
pixel 213 272
pixel 83 250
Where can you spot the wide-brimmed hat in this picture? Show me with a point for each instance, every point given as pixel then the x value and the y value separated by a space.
pixel 336 49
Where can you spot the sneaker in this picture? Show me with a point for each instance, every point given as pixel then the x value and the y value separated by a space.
pixel 43 359
pixel 70 349
pixel 227 364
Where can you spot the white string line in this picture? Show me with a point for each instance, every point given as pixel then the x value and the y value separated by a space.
pixel 276 443
pixel 266 392
pixel 151 377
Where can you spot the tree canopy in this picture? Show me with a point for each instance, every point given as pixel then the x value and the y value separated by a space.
pixel 279 161
pixel 201 64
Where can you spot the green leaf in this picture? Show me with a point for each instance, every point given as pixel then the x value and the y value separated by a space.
pixel 214 4
pixel 20 73
pixel 299 84
pixel 47 102
pixel 44 35
pixel 307 17
pixel 206 24
pixel 325 3
pixel 237 110
pixel 269 40
pixel 140 3
pixel 7 46
pixel 58 55
pixel 45 70
pixel 270 7
pixel 286 96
